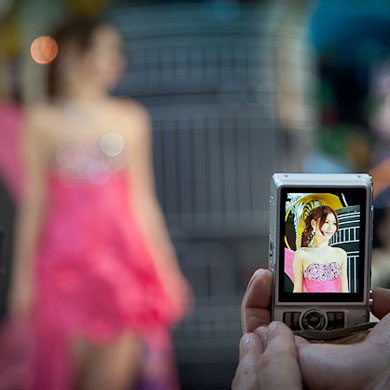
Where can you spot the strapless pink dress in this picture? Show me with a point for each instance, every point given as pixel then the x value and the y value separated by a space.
pixel 325 278
pixel 95 276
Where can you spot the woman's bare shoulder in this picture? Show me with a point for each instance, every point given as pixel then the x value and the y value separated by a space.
pixel 42 118
pixel 40 110
pixel 339 252
pixel 304 249
pixel 301 252
pixel 134 120
pixel 130 109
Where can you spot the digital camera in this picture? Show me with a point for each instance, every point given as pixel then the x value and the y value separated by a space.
pixel 320 249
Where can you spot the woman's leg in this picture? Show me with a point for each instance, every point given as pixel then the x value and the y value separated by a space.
pixel 113 366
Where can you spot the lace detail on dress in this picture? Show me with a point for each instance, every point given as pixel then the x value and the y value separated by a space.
pixel 322 272
pixel 93 163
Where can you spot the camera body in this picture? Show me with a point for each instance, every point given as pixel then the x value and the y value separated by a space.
pixel 320 249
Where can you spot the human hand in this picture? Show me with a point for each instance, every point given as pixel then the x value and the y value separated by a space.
pixel 268 360
pixel 361 365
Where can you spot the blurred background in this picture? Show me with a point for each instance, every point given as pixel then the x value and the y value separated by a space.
pixel 237 90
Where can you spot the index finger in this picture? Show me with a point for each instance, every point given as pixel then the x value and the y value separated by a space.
pixel 255 308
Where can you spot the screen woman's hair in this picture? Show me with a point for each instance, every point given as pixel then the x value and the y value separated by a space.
pixel 317 214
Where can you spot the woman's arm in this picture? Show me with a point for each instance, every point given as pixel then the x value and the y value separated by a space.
pixel 344 270
pixel 298 271
pixel 146 206
pixel 29 216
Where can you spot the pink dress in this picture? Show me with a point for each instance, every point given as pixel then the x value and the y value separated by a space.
pixel 324 278
pixel 95 276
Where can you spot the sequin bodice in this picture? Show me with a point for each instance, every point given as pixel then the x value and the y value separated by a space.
pixel 322 272
pixel 93 162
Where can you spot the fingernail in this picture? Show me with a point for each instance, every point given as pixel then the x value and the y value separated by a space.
pixel 245 343
pixel 271 327
pixel 245 339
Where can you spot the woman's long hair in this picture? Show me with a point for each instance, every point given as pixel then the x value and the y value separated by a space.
pixel 318 213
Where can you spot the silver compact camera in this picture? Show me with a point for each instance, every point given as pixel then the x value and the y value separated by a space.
pixel 320 249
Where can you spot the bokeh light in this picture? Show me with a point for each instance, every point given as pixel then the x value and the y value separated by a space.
pixel 44 49
pixel 112 144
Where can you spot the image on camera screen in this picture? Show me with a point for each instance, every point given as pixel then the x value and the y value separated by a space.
pixel 321 242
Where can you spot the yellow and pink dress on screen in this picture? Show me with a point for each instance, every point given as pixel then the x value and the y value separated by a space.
pixel 322 278
pixel 317 277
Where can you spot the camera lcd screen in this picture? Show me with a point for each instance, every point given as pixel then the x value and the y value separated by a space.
pixel 322 244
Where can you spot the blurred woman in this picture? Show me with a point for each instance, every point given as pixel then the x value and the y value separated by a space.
pixel 95 271
pixel 318 267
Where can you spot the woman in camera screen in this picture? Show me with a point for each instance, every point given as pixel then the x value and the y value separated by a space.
pixel 318 267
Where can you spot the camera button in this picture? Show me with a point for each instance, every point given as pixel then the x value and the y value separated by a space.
pixel 331 316
pixel 370 299
pixel 339 316
pixel 291 318
pixel 331 320
pixel 335 320
pixel 313 319
pixel 339 321
pixel 271 250
pixel 295 320
pixel 287 318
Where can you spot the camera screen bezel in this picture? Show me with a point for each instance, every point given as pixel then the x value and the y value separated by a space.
pixel 357 196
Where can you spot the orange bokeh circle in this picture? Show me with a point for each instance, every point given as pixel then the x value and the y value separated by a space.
pixel 44 49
